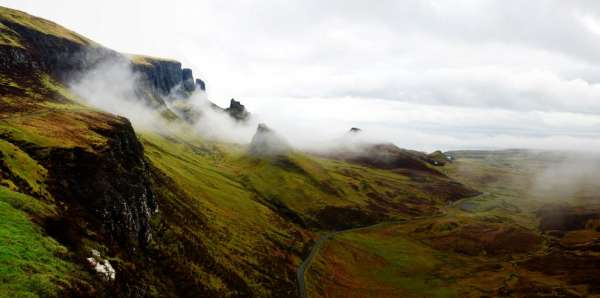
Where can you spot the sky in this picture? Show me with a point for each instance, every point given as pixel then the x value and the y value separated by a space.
pixel 425 75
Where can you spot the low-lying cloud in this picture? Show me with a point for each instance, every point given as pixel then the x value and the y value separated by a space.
pixel 113 86
pixel 570 177
pixel 215 124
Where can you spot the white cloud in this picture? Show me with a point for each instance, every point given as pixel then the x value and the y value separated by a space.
pixel 424 73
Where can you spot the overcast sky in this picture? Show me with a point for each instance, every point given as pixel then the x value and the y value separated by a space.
pixel 423 74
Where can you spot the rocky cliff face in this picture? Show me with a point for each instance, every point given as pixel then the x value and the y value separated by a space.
pixel 162 75
pixel 63 54
pixel 54 55
pixel 111 184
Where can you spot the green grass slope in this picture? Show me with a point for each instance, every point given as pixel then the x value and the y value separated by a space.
pixel 31 263
pixel 28 21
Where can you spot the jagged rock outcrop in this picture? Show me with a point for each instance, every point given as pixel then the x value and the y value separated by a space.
pixel 188 80
pixel 163 75
pixel 109 186
pixel 200 84
pixel 237 110
pixel 59 57
pixel 267 142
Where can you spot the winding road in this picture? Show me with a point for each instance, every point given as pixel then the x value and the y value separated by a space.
pixel 300 272
pixel 319 243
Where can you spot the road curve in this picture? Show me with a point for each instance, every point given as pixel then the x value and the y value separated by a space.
pixel 319 243
pixel 313 251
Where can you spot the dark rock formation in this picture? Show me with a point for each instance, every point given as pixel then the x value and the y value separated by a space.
pixel 64 58
pixel 188 80
pixel 59 57
pixel 237 110
pixel 162 75
pixel 267 142
pixel 200 84
pixel 109 187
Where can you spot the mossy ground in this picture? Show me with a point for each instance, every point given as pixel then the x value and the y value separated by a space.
pixel 31 263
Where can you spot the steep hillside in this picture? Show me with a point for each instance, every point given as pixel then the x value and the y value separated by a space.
pixel 171 213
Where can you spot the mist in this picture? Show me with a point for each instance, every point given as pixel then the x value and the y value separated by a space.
pixel 570 178
pixel 321 124
pixel 113 86
pixel 214 124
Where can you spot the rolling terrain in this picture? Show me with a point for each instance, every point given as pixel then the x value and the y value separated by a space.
pixel 518 238
pixel 92 204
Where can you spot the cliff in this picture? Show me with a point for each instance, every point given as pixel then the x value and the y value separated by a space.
pixel 30 44
pixel 110 184
pixel 164 75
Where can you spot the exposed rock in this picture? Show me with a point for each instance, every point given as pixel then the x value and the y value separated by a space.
pixel 267 142
pixel 111 185
pixel 102 267
pixel 57 56
pixel 64 58
pixel 237 110
pixel 188 80
pixel 200 84
pixel 163 75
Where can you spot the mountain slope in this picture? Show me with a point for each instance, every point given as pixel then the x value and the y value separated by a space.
pixel 175 215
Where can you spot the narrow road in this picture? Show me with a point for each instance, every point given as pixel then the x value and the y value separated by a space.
pixel 300 272
pixel 319 243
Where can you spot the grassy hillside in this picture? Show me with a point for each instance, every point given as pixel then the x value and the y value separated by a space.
pixel 31 263
pixel 9 37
